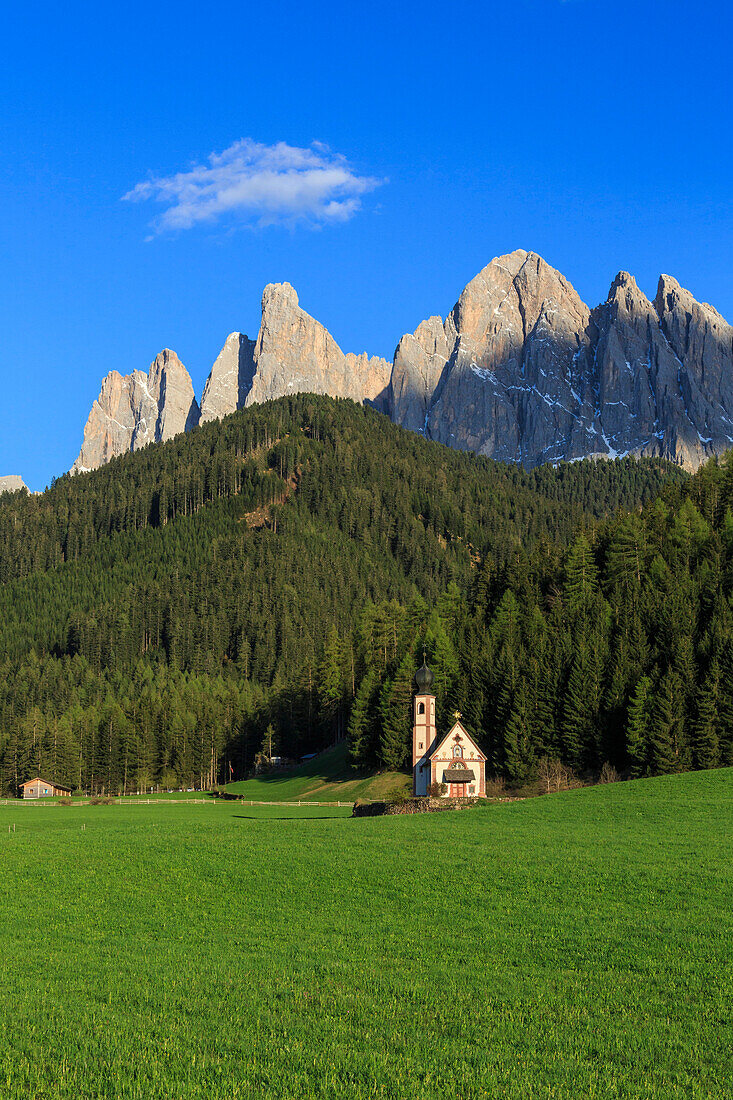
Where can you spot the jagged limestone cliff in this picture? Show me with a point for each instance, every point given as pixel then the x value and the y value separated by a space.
pixel 136 409
pixel 293 353
pixel 11 483
pixel 520 370
pixel 230 379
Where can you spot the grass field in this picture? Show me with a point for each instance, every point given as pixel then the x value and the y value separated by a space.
pixel 329 777
pixel 577 945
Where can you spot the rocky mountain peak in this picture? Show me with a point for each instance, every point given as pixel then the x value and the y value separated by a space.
pixel 294 353
pixel 526 373
pixel 520 370
pixel 12 483
pixel 625 297
pixel 136 409
pixel 279 296
pixel 230 379
pixel 518 327
pixel 624 283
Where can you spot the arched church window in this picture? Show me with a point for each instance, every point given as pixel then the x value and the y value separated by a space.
pixel 420 708
pixel 458 751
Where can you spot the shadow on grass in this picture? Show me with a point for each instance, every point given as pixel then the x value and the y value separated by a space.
pixel 286 817
pixel 330 766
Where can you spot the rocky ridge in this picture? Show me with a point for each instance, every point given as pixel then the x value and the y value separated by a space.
pixel 230 379
pixel 293 353
pixel 11 483
pixel 136 409
pixel 521 370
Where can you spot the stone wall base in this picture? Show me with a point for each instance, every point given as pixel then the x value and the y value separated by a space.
pixel 414 806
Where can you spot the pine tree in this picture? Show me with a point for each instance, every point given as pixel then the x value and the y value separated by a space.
pixel 331 685
pixel 637 728
pixel 581 717
pixel 270 744
pixel 395 707
pixel 626 555
pixel 706 741
pixel 362 730
pixel 518 748
pixel 581 576
pixel 725 705
pixel 666 738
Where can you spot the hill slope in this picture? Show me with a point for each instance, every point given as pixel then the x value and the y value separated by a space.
pixel 329 777
pixel 157 613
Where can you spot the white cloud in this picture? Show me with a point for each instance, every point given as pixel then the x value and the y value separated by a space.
pixel 259 184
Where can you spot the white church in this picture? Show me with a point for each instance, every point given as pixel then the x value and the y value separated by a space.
pixel 455 760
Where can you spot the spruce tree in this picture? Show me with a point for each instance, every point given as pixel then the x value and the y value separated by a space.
pixel 395 707
pixel 706 743
pixel 638 728
pixel 581 576
pixel 362 722
pixel 517 748
pixel 667 733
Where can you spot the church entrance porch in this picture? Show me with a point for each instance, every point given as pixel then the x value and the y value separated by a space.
pixel 461 780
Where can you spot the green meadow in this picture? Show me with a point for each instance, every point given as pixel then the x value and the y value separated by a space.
pixel 575 945
pixel 329 777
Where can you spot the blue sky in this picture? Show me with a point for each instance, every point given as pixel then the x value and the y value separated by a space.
pixel 390 151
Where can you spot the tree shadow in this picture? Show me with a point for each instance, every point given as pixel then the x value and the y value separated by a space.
pixel 286 817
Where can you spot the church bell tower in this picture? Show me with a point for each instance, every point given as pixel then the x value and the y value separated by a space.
pixel 423 730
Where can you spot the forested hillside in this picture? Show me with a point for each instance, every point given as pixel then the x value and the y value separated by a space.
pixel 618 650
pixel 281 567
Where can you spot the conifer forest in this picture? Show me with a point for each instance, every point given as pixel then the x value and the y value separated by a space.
pixel 279 574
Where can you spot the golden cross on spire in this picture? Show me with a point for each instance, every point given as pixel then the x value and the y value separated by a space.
pixel 457 715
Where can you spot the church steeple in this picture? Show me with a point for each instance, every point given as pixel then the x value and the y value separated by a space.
pixel 424 676
pixel 423 729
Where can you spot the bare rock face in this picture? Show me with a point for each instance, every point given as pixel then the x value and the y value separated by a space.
pixel 640 408
pixel 505 376
pixel 702 342
pixel 230 379
pixel 170 384
pixel 136 409
pixel 419 362
pixel 12 483
pixel 295 354
pixel 522 371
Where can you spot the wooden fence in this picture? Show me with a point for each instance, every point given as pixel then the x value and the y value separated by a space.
pixel 166 802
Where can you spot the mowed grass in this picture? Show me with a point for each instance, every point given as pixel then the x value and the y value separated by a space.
pixel 327 778
pixel 577 945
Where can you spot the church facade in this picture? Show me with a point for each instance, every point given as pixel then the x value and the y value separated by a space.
pixel 455 760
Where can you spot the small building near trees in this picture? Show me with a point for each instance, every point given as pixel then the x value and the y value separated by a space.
pixel 42 788
pixel 455 761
